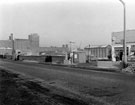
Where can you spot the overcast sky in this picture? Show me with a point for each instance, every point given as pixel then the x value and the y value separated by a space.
pixel 58 22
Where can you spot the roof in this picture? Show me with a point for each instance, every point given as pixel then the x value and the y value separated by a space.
pixel 97 46
pixel 58 49
pixel 21 40
pixel 117 37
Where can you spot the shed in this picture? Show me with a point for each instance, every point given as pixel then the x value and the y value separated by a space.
pixel 79 57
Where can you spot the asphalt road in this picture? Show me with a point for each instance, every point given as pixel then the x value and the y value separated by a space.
pixel 108 87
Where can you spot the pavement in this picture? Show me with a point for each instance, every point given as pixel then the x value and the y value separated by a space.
pixel 87 66
pixel 100 66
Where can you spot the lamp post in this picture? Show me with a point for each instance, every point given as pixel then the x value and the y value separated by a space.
pixel 89 53
pixel 124 34
pixel 13 48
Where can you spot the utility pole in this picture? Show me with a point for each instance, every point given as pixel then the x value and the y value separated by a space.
pixel 71 45
pixel 124 34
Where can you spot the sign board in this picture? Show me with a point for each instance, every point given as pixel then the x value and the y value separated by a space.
pixel 75 56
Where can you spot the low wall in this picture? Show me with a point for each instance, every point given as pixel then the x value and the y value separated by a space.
pixel 54 59
pixel 58 59
pixel 35 58
pixel 90 64
pixel 6 56
pixel 109 64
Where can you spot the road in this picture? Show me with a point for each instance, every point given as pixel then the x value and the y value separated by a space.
pixel 108 87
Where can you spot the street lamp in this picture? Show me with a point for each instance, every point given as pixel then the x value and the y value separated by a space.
pixel 124 34
pixel 13 46
pixel 89 53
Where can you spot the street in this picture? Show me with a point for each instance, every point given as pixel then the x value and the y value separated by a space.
pixel 107 87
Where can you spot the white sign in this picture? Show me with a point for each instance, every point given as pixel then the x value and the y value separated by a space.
pixel 75 56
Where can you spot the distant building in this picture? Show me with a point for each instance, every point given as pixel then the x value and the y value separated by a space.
pixel 98 52
pixel 25 46
pixel 5 47
pixel 34 40
pixel 53 50
pixel 29 46
pixel 65 45
pixel 117 44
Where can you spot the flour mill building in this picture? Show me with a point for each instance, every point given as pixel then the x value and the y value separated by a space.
pixel 25 46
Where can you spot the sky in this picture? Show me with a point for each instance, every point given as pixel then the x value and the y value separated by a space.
pixel 58 22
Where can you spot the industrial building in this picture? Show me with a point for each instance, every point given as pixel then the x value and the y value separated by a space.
pixel 117 44
pixel 115 50
pixel 5 47
pixel 24 46
pixel 30 46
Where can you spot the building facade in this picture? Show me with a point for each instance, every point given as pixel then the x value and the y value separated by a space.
pixel 117 44
pixel 34 40
pixel 24 46
pixel 79 57
pixel 98 52
pixel 29 46
pixel 5 47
